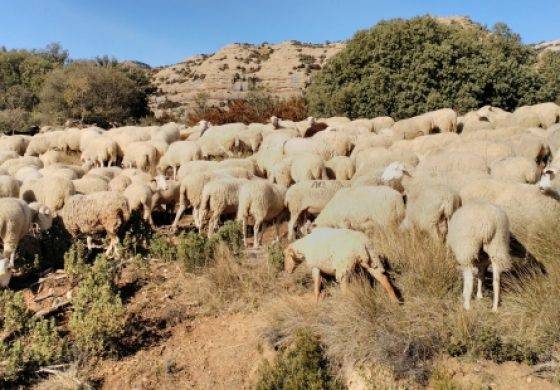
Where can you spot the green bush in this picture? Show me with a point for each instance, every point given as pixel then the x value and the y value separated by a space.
pixel 232 235
pixel 276 255
pixel 45 346
pixel 90 93
pixel 301 365
pixel 75 262
pixel 403 68
pixel 98 317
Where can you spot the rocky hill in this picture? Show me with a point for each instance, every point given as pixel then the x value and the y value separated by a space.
pixel 549 45
pixel 282 70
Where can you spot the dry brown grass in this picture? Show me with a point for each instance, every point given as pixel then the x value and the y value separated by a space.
pixel 64 380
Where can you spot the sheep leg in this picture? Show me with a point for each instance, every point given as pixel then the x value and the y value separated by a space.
pixel 90 245
pixel 174 172
pixel 292 225
pixel 277 230
pixel 244 227
pixel 479 280
pixel 256 234
pixel 496 287
pixel 180 212
pixel 12 257
pixel 316 275
pixel 384 282
pixel 467 287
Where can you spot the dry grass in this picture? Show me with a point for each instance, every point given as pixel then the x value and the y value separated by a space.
pixel 64 380
pixel 362 327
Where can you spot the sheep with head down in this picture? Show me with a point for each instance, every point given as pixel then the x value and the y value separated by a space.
pixel 336 252
pixel 474 228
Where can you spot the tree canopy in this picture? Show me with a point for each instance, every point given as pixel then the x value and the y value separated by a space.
pixel 403 68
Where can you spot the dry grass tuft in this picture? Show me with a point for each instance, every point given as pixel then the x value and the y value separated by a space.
pixel 64 380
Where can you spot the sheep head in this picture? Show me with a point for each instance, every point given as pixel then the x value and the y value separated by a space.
pixel 160 183
pixel 394 171
pixel 545 183
pixel 43 217
pixel 275 121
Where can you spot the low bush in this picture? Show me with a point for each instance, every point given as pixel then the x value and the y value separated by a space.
pixel 276 255
pixel 300 365
pixel 256 107
pixel 98 316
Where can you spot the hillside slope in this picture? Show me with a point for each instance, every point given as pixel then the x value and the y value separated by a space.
pixel 282 70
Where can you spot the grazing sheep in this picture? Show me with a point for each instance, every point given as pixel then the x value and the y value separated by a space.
pixel 119 183
pixel 340 168
pixel 139 197
pixel 219 196
pixel 250 139
pixel 99 151
pixel 443 120
pixel 39 144
pixel 195 167
pixel 178 153
pixel 53 192
pixel 489 151
pixel 95 213
pixel 474 227
pixel 426 145
pixel 297 168
pixel 309 197
pixel 13 143
pixel 429 209
pixel 472 122
pixel 9 187
pixel 363 208
pixel 336 252
pixel 413 127
pixel 531 146
pixel 340 144
pixel 447 163
pixel 261 202
pixel 59 171
pixel 15 164
pixel 519 169
pixel 16 220
pixel 527 208
pixel 141 155
pixel 6 155
pixel 370 160
pixel 90 184
pixel 166 195
pixel 27 173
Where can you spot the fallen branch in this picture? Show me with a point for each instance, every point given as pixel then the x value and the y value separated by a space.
pixel 46 312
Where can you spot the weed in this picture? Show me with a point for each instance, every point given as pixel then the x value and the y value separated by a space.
pixel 276 255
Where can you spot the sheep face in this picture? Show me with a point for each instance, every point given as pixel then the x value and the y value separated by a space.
pixel 5 272
pixel 43 219
pixel 160 183
pixel 545 183
pixel 274 121
pixel 394 171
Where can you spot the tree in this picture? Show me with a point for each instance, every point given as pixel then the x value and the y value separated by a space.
pixel 403 68
pixel 93 94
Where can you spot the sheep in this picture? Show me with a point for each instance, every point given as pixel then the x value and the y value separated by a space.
pixel 548 113
pixel 68 141
pixel 340 144
pixel 119 183
pixel 531 146
pixel 430 208
pixel 413 127
pixel 141 155
pixel 100 151
pixel 443 120
pixel 369 160
pixel 54 157
pixel 336 252
pixel 166 195
pixel 261 201
pixel 53 192
pixel 363 208
pixel 9 187
pixel 267 158
pixel 426 144
pixel 295 146
pixel 27 173
pixel 250 139
pixel 190 191
pixel 14 143
pixel 340 168
pixel 219 196
pixel 108 172
pixel 41 143
pixel 16 220
pixel 178 153
pixel 59 171
pixel 244 163
pixel 194 166
pixel 309 197
pixel 519 169
pixel 527 208
pixel 474 227
pixel 90 184
pixel 489 151
pixel 6 155
pixel 305 166
pixel 13 165
pixel 472 122
pixel 168 133
pixel 447 162
pixel 139 197
pixel 94 213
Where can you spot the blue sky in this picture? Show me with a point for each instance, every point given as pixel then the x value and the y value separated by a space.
pixel 166 31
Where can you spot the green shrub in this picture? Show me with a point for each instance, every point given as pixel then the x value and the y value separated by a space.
pixel 11 354
pixel 301 365
pixel 195 251
pixel 276 255
pixel 98 317
pixel 403 68
pixel 161 248
pixel 14 313
pixel 75 262
pixel 231 234
pixel 45 346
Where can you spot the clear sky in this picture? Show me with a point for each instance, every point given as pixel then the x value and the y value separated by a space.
pixel 162 32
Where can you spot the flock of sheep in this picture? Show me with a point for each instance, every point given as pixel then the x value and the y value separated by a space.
pixel 470 181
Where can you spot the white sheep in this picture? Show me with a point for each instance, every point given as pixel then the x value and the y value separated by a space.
pixel 219 196
pixel 429 209
pixel 119 183
pixel 141 155
pixel 194 166
pixel 363 208
pixel 340 168
pixel 309 197
pixel 519 169
pixel 259 201
pixel 474 227
pixel 16 220
pixel 306 166
pixel 13 143
pixel 90 184
pixel 96 213
pixel 6 155
pixel 9 187
pixel 27 173
pixel 99 151
pixel 53 192
pixel 14 164
pixel 336 252
pixel 177 154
